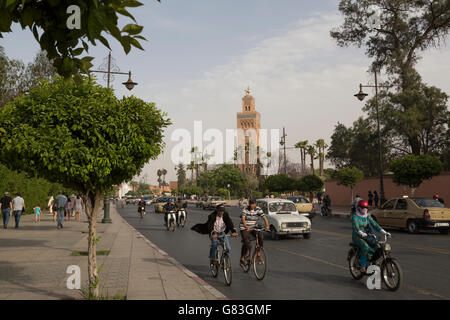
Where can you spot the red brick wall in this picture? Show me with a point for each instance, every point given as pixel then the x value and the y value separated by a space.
pixel 340 195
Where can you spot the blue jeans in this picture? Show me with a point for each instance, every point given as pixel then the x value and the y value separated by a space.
pixel 6 213
pixel 215 242
pixel 60 216
pixel 17 214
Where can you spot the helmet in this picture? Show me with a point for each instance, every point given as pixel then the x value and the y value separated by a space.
pixel 436 196
pixel 220 207
pixel 363 204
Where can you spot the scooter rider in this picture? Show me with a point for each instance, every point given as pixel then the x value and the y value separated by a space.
pixel 141 204
pixel 168 207
pixel 363 226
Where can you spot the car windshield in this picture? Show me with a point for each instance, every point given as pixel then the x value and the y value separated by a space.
pixel 428 203
pixel 282 207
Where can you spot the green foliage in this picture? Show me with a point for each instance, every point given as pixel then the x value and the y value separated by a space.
pixel 413 170
pixel 257 195
pixel 192 190
pixel 222 192
pixel 35 191
pixel 143 189
pixel 229 174
pixel 207 181
pixel 280 183
pixel 48 22
pixel 349 177
pixel 80 135
pixel 357 147
pixel 310 183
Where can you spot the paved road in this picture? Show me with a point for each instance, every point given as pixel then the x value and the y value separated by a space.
pixel 306 269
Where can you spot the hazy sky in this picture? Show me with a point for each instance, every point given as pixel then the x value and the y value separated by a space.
pixel 202 55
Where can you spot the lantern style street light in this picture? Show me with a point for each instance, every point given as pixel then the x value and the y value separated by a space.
pixel 361 96
pixel 111 69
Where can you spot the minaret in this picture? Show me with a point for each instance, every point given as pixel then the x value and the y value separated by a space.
pixel 249 125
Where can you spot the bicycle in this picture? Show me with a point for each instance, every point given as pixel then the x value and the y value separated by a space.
pixel 259 264
pixel 222 261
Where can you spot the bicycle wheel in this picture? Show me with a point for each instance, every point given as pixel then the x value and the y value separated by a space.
pixel 353 266
pixel 214 267
pixel 259 264
pixel 227 272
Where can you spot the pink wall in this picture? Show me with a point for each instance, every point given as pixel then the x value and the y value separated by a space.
pixel 340 195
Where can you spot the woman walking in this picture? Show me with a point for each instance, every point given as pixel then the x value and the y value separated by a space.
pixel 50 208
pixel 78 207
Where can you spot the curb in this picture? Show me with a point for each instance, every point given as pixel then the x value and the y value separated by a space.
pixel 216 293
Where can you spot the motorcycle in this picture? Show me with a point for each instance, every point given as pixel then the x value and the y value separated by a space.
pixel 391 273
pixel 171 220
pixel 181 217
pixel 141 211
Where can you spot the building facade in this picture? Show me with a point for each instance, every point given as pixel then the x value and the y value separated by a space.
pixel 247 154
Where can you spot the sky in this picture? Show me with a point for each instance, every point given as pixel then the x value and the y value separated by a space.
pixel 201 55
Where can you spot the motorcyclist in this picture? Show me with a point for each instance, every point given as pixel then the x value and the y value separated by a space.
pixel 141 204
pixel 364 227
pixel 168 207
pixel 181 205
pixel 326 203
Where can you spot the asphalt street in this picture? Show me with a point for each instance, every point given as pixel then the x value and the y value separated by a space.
pixel 305 269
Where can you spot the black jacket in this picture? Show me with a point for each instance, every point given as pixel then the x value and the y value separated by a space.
pixel 208 227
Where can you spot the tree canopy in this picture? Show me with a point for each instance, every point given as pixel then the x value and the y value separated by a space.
pixel 47 20
pixel 413 170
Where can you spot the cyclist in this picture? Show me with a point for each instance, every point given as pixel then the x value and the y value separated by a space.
pixel 363 227
pixel 249 221
pixel 168 207
pixel 218 225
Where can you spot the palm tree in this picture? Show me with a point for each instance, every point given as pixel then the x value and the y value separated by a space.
pixel 164 172
pixel 205 159
pixel 191 167
pixel 159 174
pixel 321 146
pixel 311 150
pixel 302 145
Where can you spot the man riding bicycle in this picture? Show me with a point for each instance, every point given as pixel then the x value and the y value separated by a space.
pixel 249 221
pixel 219 224
pixel 168 207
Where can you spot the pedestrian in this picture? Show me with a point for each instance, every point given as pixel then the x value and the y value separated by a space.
pixel 18 208
pixel 61 203
pixel 68 208
pixel 37 214
pixel 78 207
pixel 6 207
pixel 72 201
pixel 370 198
pixel 375 198
pixel 311 197
pixel 319 197
pixel 50 208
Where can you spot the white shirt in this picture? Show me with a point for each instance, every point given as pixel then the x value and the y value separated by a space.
pixel 219 225
pixel 18 203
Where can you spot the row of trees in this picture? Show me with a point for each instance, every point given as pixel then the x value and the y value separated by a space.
pixel 315 151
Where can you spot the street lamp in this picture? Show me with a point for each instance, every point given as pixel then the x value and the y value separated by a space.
pixel 283 144
pixel 361 96
pixel 229 194
pixel 111 69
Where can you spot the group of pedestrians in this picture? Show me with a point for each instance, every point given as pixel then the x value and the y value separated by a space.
pixel 10 206
pixel 60 207
pixel 63 207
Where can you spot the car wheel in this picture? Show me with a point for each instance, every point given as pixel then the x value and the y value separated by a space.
pixel 444 231
pixel 412 227
pixel 307 235
pixel 273 233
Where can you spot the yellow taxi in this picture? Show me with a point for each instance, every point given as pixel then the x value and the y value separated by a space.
pixel 414 214
pixel 303 205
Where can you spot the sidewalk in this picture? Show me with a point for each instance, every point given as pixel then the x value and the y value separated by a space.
pixel 34 259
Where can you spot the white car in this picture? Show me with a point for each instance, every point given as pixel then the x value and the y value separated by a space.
pixel 284 218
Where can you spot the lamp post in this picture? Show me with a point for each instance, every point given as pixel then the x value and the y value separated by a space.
pixel 229 193
pixel 361 96
pixel 111 69
pixel 283 144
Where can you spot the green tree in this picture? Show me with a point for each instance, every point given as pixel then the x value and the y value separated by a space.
pixel 321 146
pixel 229 174
pixel 143 189
pixel 48 22
pixel 403 30
pixel 311 150
pixel 301 145
pixel 223 193
pixel 412 170
pixel 207 181
pixel 181 176
pixel 82 136
pixel 280 183
pixel 349 177
pixel 310 183
pixel 251 184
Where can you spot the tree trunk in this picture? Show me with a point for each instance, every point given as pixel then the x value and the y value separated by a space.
pixel 312 163
pixel 92 207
